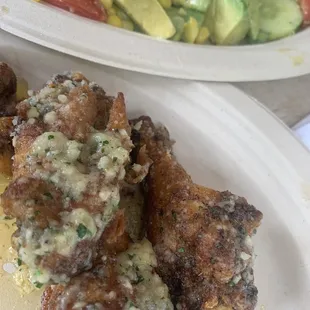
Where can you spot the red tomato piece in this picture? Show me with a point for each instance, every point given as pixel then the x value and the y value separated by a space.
pixel 305 6
pixel 86 8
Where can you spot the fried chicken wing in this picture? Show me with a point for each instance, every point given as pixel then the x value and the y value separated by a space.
pixel 123 282
pixel 67 177
pixel 202 237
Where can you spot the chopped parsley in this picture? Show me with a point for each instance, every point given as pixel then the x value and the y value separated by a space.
pixel 102 150
pixel 181 250
pixel 82 230
pixel 38 284
pixel 19 262
pixel 139 279
pixel 50 137
pixel 8 218
pixel 131 256
pixel 105 142
pixel 36 213
pixel 174 215
pixel 48 195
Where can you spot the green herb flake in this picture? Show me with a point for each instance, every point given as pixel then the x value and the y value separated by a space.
pixel 139 279
pixel 181 250
pixel 38 284
pixel 48 195
pixel 36 213
pixel 174 215
pixel 105 142
pixel 19 262
pixel 114 159
pixel 213 260
pixel 131 256
pixel 231 283
pixel 50 137
pixel 102 150
pixel 82 230
pixel 38 272
pixel 8 218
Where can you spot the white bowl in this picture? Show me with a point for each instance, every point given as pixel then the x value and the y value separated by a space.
pixel 226 141
pixel 115 47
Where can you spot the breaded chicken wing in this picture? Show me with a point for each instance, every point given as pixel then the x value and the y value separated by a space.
pixel 202 237
pixel 127 281
pixel 67 176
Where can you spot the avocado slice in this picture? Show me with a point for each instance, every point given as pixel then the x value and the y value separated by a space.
pixel 227 21
pixel 149 16
pixel 199 5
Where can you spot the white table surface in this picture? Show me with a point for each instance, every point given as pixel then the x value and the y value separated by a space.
pixel 288 99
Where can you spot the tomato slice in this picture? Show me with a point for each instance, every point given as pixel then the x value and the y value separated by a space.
pixel 86 8
pixel 305 6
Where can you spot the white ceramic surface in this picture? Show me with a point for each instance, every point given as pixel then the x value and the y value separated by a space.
pixel 226 141
pixel 108 45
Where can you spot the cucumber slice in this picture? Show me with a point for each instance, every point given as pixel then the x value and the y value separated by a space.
pixel 227 21
pixel 276 19
pixel 199 5
pixel 149 16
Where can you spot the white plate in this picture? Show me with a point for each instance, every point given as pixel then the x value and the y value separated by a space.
pixel 114 47
pixel 226 141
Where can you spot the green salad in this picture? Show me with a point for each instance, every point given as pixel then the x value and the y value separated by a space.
pixel 219 22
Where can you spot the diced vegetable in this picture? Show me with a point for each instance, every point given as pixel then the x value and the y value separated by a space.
pixel 115 21
pixel 191 31
pixel 227 21
pixel 85 8
pixel 199 5
pixel 276 19
pixel 203 35
pixel 150 17
pixel 305 6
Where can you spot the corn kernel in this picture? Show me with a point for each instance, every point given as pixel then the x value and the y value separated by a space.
pixel 107 4
pixel 191 30
pixel 203 35
pixel 115 21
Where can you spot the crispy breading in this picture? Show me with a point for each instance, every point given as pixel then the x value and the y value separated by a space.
pixel 201 236
pixel 64 114
pixel 7 90
pixel 6 149
pixel 118 116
